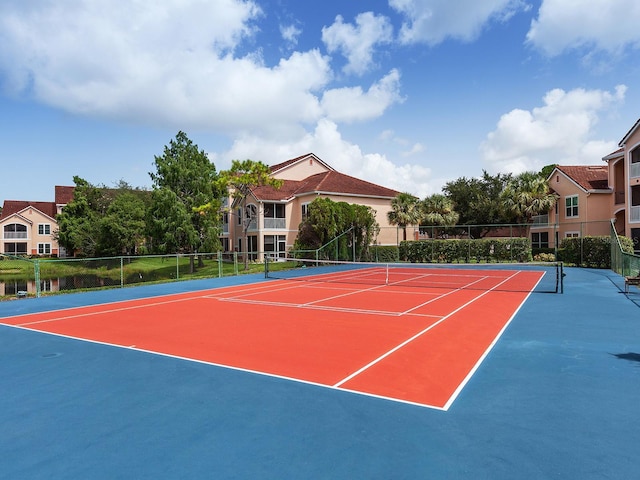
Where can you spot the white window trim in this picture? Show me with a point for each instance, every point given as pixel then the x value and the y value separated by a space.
pixel 572 206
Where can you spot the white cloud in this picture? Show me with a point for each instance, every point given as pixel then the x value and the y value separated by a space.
pixel 327 142
pixel 173 64
pixel 357 42
pixel 560 132
pixel 290 33
pixel 433 21
pixel 353 104
pixel 608 25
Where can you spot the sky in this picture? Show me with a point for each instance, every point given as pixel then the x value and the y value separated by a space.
pixel 408 94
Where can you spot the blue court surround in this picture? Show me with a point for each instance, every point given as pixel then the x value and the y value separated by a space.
pixel 557 397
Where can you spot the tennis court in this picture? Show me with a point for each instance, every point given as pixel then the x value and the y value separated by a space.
pixel 330 373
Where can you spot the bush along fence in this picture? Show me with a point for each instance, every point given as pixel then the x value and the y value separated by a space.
pixel 466 251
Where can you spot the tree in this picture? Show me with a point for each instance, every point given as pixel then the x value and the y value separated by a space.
pixel 123 227
pixel 185 211
pixel 79 222
pixel 478 201
pixel 101 221
pixel 528 195
pixel 240 180
pixel 437 210
pixel 327 221
pixel 404 211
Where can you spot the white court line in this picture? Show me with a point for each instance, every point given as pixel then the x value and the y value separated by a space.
pixel 417 335
pixel 322 307
pixel 233 368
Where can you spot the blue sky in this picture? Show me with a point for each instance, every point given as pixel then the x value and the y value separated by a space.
pixel 409 94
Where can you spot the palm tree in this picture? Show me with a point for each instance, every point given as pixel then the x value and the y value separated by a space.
pixel 437 210
pixel 404 211
pixel 526 196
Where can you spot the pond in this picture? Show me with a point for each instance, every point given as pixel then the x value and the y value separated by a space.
pixel 10 287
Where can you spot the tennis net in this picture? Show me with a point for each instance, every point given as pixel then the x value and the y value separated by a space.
pixel 538 277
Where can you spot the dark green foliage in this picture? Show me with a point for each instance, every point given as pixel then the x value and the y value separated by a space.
pixel 340 228
pixel 185 212
pixel 100 221
pixel 467 251
pixel 594 252
pixel 478 202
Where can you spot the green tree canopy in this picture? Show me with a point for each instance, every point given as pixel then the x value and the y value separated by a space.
pixel 327 220
pixel 437 210
pixel 101 221
pixel 404 211
pixel 184 214
pixel 478 201
pixel 528 195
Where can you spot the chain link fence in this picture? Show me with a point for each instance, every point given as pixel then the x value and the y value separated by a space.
pixel 22 277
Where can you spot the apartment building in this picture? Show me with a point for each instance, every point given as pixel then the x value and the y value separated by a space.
pixel 277 213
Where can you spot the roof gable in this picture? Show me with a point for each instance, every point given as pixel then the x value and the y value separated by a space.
pixel 588 177
pixel 331 182
pixel 13 207
pixel 629 133
pixel 298 168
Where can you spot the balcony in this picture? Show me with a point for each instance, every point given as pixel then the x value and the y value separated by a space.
pixel 275 223
pixel 634 171
pixel 15 235
pixel 635 214
pixel 540 220
pixel 619 197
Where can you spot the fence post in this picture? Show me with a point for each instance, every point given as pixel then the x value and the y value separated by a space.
pixel 121 272
pixel 177 266
pixel 36 268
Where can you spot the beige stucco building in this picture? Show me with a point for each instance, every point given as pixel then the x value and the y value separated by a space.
pixel 277 213
pixel 624 181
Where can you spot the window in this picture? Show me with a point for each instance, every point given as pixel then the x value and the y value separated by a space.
pixel 44 249
pixel 274 215
pixel 44 229
pixel 571 234
pixel 540 240
pixel 571 206
pixel 275 245
pixel 15 230
pixel 305 210
pixel 15 248
pixel 634 170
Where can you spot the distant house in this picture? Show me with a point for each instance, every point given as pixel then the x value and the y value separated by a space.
pixel 28 227
pixel 278 212
pixel 624 180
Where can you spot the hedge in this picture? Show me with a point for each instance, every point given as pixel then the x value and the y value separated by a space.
pixel 466 250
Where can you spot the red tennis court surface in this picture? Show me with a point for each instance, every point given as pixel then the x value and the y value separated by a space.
pixel 415 345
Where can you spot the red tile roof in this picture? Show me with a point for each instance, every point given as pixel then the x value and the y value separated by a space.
pixel 64 194
pixel 588 177
pixel 327 182
pixel 12 207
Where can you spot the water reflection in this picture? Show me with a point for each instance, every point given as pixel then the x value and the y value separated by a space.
pixel 12 287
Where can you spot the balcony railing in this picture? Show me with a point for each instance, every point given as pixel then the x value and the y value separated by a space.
pixel 275 223
pixel 635 214
pixel 539 220
pixel 14 235
pixel 634 171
